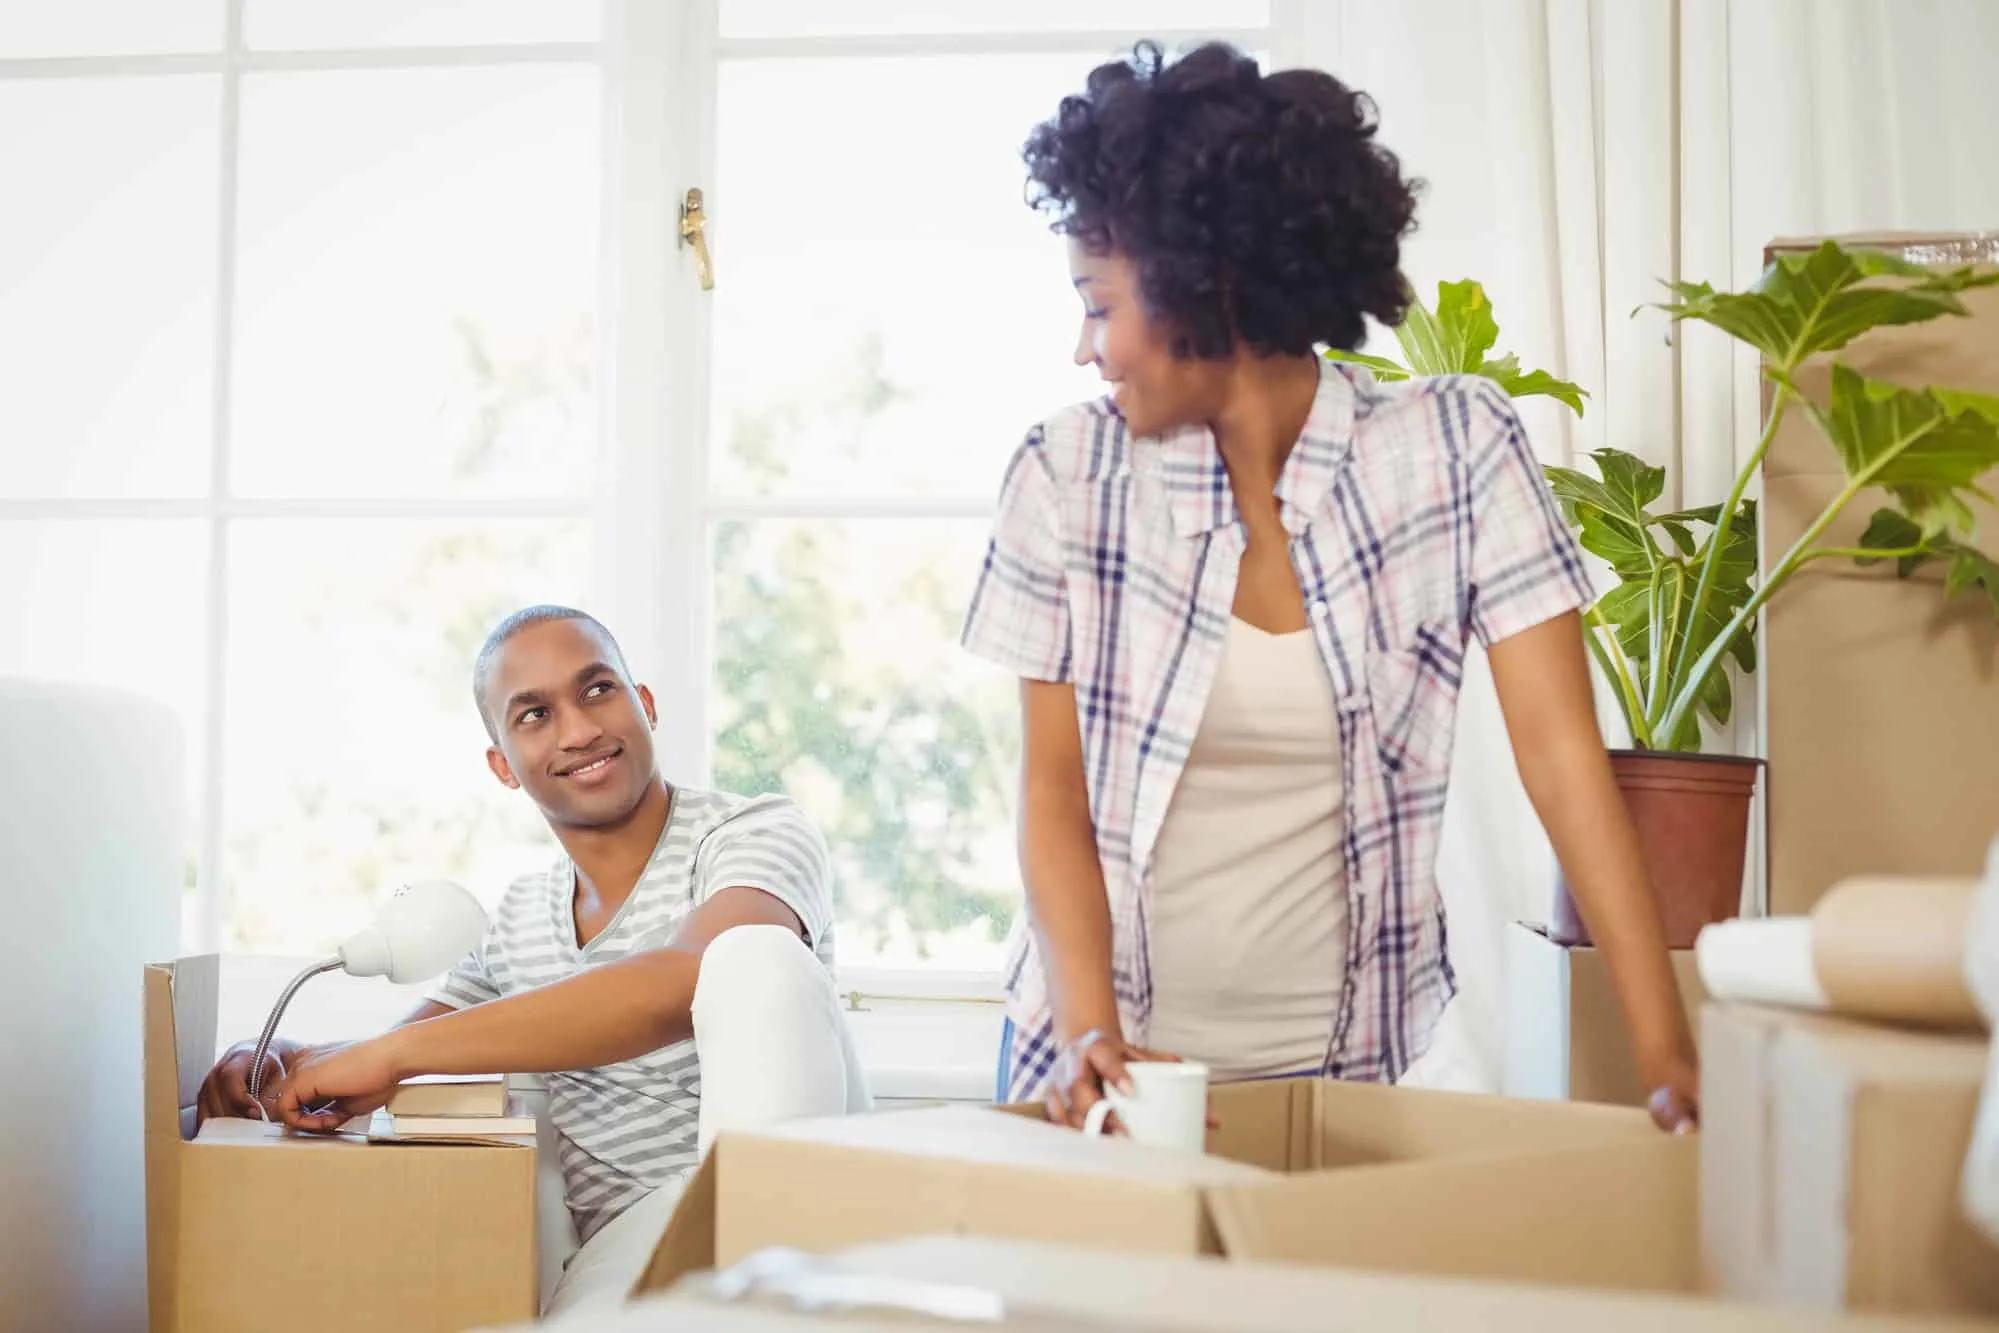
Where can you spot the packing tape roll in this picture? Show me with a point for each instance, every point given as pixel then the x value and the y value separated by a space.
pixel 1761 961
pixel 1892 948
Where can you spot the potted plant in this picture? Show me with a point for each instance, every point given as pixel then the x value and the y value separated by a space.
pixel 1688 587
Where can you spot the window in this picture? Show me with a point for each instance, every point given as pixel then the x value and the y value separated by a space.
pixel 404 339
pixel 888 320
pixel 310 315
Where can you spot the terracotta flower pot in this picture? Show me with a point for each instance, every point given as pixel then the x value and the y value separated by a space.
pixel 1692 816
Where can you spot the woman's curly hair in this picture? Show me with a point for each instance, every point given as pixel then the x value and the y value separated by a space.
pixel 1253 206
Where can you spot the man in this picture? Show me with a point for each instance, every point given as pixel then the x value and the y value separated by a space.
pixel 670 973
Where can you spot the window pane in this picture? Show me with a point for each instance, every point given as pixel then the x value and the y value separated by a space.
pixel 30 28
pixel 926 314
pixel 817 18
pixel 418 283
pixel 303 24
pixel 839 681
pixel 107 245
pixel 355 758
pixel 121 604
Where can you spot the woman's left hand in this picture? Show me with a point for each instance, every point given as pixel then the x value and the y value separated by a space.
pixel 1675 1103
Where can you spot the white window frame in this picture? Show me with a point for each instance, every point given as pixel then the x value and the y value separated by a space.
pixel 652 512
pixel 217 509
pixel 665 64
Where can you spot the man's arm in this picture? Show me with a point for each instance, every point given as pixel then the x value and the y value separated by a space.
pixel 225 1093
pixel 611 1013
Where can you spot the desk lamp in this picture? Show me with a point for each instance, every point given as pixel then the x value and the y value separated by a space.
pixel 419 933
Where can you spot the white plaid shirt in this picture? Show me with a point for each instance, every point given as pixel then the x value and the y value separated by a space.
pixel 1418 517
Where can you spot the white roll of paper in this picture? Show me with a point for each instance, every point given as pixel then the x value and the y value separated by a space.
pixel 1761 961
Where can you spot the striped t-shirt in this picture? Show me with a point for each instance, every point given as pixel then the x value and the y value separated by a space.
pixel 626 1129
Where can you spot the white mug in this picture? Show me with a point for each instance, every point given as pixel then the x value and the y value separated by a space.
pixel 1167 1108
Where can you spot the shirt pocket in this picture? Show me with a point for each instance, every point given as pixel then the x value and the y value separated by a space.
pixel 1413 690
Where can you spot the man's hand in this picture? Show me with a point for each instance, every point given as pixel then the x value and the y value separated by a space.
pixel 329 1087
pixel 225 1093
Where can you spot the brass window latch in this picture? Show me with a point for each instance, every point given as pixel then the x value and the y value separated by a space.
pixel 694 232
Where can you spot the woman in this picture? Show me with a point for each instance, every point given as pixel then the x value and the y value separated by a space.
pixel 1239 593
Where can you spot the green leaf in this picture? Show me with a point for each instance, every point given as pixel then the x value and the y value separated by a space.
pixel 1970 567
pixel 1632 482
pixel 1385 370
pixel 1505 371
pixel 1891 530
pixel 1966 567
pixel 1682 537
pixel 1454 338
pixel 1735 567
pixel 1717 697
pixel 1708 514
pixel 1610 514
pixel 1926 445
pixel 1627 608
pixel 1615 541
pixel 1573 489
pixel 1821 301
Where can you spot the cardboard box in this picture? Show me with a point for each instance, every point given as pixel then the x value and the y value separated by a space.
pixel 1882 713
pixel 1831 1159
pixel 1566 1035
pixel 1310 1170
pixel 247 1225
pixel 939 1283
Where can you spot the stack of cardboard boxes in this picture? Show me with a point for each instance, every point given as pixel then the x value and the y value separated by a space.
pixel 1822 1188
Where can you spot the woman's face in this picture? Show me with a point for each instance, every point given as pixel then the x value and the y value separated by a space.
pixel 1154 390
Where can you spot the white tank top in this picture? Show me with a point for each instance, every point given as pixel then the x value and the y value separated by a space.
pixel 1247 914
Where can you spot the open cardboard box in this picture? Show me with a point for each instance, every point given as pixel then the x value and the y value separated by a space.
pixel 939 1283
pixel 1308 1169
pixel 247 1225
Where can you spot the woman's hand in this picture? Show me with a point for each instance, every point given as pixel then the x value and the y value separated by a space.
pixel 1676 1094
pixel 1084 1068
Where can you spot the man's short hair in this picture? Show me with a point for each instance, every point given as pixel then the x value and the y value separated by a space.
pixel 526 618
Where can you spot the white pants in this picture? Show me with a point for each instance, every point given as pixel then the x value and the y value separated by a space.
pixel 774 1046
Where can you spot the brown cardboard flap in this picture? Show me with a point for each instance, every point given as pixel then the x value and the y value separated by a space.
pixel 162 1149
pixel 196 988
pixel 1624 1217
pixel 688 1244
pixel 1366 1123
pixel 857 1195
pixel 1269 1125
pixel 1892 948
pixel 975 1135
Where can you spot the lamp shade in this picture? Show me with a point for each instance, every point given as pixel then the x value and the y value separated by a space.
pixel 420 932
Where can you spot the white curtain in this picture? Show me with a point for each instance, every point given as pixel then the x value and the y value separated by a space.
pixel 1577 152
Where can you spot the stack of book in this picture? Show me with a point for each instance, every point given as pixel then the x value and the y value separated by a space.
pixel 453 1106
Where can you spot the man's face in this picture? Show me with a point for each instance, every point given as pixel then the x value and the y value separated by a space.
pixel 571 728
